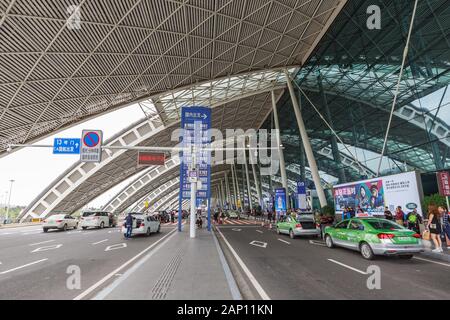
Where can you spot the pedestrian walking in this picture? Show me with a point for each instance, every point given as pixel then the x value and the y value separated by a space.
pixel 435 228
pixel 128 225
pixel 413 221
pixel 445 214
pixel 399 216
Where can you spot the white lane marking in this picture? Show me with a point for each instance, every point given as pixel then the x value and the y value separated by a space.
pixel 53 247
pixel 259 231
pixel 99 242
pixel 259 244
pixel 441 263
pixel 253 280
pixel 236 229
pixel 25 265
pixel 111 274
pixel 317 243
pixel 283 241
pixel 116 246
pixel 347 266
pixel 35 232
pixel 35 244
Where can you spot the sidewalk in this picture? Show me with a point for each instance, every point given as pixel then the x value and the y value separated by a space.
pixel 18 225
pixel 445 256
pixel 180 268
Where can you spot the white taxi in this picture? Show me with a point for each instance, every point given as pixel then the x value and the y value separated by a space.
pixel 60 222
pixel 143 224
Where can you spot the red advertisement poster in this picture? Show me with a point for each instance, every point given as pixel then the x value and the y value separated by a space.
pixel 443 179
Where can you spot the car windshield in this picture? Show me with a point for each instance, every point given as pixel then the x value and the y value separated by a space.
pixel 384 224
pixel 57 216
pixel 87 214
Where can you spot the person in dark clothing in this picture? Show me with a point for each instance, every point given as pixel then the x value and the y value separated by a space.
pixel 388 214
pixel 172 217
pixel 269 216
pixel 435 228
pixel 413 220
pixel 129 225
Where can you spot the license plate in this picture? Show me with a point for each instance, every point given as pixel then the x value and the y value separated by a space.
pixel 403 238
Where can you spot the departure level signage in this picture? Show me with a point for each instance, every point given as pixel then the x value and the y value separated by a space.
pixel 191 117
pixel 91 146
pixel 301 195
pixel 151 158
pixel 66 146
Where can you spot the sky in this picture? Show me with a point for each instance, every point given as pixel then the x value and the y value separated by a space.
pixel 33 169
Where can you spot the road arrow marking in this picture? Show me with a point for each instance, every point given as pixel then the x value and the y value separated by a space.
pixel 116 246
pixel 53 247
pixel 259 244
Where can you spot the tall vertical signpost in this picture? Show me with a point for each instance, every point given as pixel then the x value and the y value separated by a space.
pixel 280 201
pixel 195 168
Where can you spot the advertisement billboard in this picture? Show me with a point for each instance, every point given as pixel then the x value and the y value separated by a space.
pixel 373 195
pixel 280 200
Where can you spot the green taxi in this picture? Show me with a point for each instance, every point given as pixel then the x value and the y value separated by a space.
pixel 300 225
pixel 374 236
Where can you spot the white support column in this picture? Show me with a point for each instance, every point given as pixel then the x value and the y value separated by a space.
pixel 248 180
pixel 255 177
pixel 280 151
pixel 222 191
pixel 235 186
pixel 227 187
pixel 307 145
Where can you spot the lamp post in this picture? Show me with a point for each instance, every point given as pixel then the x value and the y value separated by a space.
pixel 9 200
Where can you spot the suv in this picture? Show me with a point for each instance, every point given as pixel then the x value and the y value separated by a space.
pixel 97 219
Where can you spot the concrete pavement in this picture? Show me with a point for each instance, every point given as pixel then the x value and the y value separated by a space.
pixel 305 269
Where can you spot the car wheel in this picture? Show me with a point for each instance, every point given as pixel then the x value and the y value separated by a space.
pixel 278 231
pixel 366 251
pixel 159 228
pixel 148 232
pixel 102 225
pixel 45 230
pixel 75 227
pixel 65 227
pixel 291 234
pixel 406 256
pixel 84 228
pixel 329 241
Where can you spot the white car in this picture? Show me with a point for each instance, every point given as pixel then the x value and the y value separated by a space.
pixel 143 224
pixel 95 219
pixel 60 221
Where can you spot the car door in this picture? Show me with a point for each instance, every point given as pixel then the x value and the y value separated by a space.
pixel 355 232
pixel 283 226
pixel 341 233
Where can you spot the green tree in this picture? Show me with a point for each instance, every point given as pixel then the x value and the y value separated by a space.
pixel 434 199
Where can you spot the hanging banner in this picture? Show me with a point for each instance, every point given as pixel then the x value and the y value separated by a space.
pixel 280 200
pixel 373 195
pixel 301 196
pixel 443 179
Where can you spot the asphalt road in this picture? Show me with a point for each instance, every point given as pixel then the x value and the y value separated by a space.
pixel 34 264
pixel 298 269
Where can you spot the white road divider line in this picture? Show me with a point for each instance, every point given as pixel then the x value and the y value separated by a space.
pixel 111 274
pixel 432 261
pixel 253 280
pixel 35 232
pixel 35 244
pixel 24 266
pixel 99 242
pixel 347 266
pixel 283 241
pixel 259 231
pixel 317 243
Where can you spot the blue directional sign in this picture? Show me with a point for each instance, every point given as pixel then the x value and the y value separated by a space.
pixel 66 146
pixel 196 122
pixel 301 195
